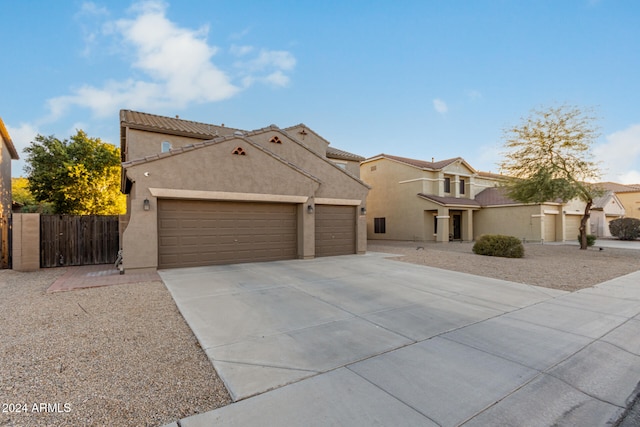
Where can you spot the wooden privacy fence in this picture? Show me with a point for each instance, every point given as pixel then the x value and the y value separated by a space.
pixel 78 240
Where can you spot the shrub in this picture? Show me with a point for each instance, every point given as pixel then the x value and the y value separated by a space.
pixel 591 239
pixel 498 245
pixel 625 228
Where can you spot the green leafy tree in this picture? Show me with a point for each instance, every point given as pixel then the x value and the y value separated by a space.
pixel 549 158
pixel 80 176
pixel 22 195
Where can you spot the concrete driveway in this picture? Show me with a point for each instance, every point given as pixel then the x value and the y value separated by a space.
pixel 364 340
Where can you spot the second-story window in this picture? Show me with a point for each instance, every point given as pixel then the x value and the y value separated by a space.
pixel 447 185
pixel 166 146
pixel 462 186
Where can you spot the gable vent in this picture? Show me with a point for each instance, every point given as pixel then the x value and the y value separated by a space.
pixel 239 151
pixel 275 140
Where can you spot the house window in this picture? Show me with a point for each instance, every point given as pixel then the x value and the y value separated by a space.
pixel 166 146
pixel 373 168
pixel 462 186
pixel 379 225
pixel 447 185
pixel 435 224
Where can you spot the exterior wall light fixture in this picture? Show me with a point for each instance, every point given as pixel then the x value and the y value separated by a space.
pixel 310 209
pixel 363 211
pixel 146 205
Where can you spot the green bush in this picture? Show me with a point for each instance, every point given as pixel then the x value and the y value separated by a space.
pixel 498 245
pixel 625 228
pixel 591 239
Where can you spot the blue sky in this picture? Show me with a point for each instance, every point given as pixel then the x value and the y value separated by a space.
pixel 422 79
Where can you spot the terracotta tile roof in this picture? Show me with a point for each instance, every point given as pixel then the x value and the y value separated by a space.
pixel 420 163
pixel 334 153
pixel 495 196
pixel 491 175
pixel 602 201
pixel 177 126
pixel 7 141
pixel 450 201
pixel 174 126
pixel 618 188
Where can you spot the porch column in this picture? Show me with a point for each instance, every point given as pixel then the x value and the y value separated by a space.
pixel 456 186
pixel 443 225
pixel 467 225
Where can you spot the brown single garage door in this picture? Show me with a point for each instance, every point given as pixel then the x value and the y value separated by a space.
pixel 335 230
pixel 193 233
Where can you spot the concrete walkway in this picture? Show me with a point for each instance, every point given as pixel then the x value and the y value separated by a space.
pixel 94 276
pixel 363 340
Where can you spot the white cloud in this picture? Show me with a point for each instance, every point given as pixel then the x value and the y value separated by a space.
pixel 240 50
pixel 21 137
pixel 475 95
pixel 620 156
pixel 88 20
pixel 440 106
pixel 176 66
pixel 267 67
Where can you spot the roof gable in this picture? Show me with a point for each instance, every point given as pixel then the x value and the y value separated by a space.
pixel 7 141
pixel 305 130
pixel 422 164
pixel 605 202
pixel 274 128
pixel 204 131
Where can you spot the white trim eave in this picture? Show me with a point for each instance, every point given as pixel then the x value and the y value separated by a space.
pixel 172 193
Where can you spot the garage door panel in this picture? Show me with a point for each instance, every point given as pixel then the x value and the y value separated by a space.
pixel 572 227
pixel 194 233
pixel 335 230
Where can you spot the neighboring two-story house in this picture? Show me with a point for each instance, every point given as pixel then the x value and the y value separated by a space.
pixel 7 153
pixel 202 194
pixel 445 200
pixel 628 195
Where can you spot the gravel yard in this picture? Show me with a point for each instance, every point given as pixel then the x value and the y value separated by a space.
pixel 563 267
pixel 119 355
pixel 123 355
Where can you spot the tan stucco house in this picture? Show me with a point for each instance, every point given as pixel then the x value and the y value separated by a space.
pixel 202 194
pixel 628 195
pixel 605 209
pixel 7 153
pixel 445 200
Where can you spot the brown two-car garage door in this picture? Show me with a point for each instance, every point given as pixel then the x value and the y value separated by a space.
pixel 194 233
pixel 335 230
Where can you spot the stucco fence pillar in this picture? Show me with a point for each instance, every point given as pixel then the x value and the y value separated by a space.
pixel 26 241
